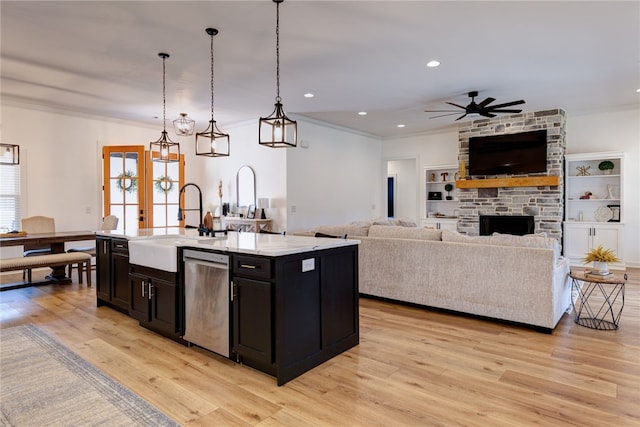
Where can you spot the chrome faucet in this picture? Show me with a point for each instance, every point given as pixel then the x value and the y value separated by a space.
pixel 201 228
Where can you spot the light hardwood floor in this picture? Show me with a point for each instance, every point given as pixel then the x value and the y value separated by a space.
pixel 413 367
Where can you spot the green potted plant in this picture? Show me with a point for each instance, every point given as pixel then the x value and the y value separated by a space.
pixel 601 258
pixel 448 188
pixel 606 166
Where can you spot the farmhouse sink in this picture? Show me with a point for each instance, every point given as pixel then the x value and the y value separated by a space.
pixel 158 253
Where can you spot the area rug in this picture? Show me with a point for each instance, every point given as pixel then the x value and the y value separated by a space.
pixel 43 383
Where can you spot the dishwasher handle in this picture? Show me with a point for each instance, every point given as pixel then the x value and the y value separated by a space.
pixel 219 265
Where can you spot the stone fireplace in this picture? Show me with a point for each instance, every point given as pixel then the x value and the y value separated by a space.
pixel 543 203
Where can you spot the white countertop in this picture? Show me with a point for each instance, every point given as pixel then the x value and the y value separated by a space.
pixel 157 246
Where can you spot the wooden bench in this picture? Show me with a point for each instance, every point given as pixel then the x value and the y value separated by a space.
pixel 51 260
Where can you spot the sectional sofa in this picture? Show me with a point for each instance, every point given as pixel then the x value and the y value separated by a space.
pixel 520 279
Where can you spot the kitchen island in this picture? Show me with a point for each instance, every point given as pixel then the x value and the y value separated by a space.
pixel 292 300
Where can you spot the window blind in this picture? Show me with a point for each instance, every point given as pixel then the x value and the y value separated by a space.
pixel 9 197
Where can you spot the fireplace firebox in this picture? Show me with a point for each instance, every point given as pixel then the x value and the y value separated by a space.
pixel 506 224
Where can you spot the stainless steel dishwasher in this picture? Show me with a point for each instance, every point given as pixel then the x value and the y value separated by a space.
pixel 206 291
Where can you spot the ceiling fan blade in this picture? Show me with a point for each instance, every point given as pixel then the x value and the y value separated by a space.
pixel 441 111
pixel 505 111
pixel 456 105
pixel 506 104
pixel 461 117
pixel 443 115
pixel 486 102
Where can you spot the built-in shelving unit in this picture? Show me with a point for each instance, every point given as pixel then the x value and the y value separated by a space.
pixel 598 219
pixel 440 213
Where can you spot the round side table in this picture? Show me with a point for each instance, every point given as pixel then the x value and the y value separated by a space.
pixel 597 302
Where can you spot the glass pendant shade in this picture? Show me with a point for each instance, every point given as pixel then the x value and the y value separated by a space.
pixel 212 142
pixel 164 149
pixel 277 130
pixel 9 154
pixel 184 125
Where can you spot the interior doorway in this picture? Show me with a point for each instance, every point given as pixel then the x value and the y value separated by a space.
pixel 391 196
pixel 403 174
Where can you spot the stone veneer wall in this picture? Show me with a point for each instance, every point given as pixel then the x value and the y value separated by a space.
pixel 544 203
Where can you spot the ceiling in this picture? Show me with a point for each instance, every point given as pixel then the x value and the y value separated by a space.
pixel 100 58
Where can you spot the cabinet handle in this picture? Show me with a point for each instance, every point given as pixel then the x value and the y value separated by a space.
pixel 142 287
pixel 104 247
pixel 594 232
pixel 150 287
pixel 233 290
pixel 253 267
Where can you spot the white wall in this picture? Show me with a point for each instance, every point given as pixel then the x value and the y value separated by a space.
pixel 335 179
pixel 60 157
pixel 612 131
pixel 329 182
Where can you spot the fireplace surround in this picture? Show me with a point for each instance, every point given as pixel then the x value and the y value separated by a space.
pixel 543 201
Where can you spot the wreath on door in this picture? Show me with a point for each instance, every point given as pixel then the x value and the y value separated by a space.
pixel 127 182
pixel 163 184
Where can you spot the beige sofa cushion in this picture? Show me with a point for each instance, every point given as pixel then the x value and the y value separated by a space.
pixel 351 230
pixel 528 241
pixel 455 237
pixel 399 232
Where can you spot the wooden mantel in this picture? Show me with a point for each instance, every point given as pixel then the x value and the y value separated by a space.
pixel 532 181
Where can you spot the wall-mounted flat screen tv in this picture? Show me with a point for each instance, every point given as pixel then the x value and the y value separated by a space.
pixel 510 154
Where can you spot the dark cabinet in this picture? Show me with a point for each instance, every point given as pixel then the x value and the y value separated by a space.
pixel 292 313
pixel 103 269
pixel 156 300
pixel 252 326
pixel 112 270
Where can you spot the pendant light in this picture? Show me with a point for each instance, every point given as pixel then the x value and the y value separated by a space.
pixel 9 154
pixel 212 142
pixel 278 130
pixel 164 149
pixel 184 125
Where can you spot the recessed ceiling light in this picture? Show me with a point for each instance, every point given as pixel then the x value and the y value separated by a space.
pixel 433 63
pixel 400 125
pixel 638 90
pixel 309 95
pixel 362 113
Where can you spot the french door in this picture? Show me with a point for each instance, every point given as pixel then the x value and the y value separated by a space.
pixel 141 193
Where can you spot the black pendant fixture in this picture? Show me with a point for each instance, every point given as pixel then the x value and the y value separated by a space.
pixel 212 142
pixel 278 130
pixel 164 149
pixel 9 154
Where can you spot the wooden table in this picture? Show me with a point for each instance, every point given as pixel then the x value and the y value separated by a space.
pixel 56 242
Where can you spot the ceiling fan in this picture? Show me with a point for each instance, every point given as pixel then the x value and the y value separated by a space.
pixel 481 109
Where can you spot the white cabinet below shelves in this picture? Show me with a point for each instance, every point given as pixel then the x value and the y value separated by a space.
pixel 450 224
pixel 579 238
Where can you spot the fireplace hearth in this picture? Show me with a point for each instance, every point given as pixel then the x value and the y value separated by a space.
pixel 506 224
